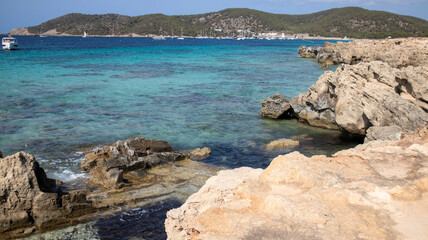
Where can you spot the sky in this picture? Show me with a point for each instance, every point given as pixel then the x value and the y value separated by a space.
pixel 25 13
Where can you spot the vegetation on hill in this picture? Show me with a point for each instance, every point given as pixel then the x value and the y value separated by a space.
pixel 339 22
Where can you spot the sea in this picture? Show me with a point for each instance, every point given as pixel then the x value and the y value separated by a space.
pixel 60 96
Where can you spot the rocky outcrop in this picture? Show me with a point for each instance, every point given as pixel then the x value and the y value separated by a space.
pixel 397 53
pixel 356 97
pixel 308 52
pixel 29 200
pixel 374 191
pixel 107 165
pixel 20 31
pixel 276 106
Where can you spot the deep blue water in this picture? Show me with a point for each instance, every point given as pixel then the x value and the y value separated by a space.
pixel 61 94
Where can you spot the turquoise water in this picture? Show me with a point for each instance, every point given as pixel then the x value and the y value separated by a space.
pixel 59 95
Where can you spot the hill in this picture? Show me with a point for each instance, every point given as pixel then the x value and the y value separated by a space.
pixel 339 22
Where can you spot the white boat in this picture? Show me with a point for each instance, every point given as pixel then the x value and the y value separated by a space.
pixel 84 34
pixel 181 36
pixel 158 38
pixel 9 43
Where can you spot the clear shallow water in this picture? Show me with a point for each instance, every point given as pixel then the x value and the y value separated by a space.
pixel 61 94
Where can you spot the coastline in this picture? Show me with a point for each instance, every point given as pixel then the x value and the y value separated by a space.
pixel 367 192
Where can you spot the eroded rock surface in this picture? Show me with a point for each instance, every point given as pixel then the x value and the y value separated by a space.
pixel 30 201
pixel 276 106
pixel 374 191
pixel 397 53
pixel 282 143
pixel 107 165
pixel 356 97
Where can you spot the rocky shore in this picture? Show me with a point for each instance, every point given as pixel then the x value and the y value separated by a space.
pixel 377 190
pixel 126 174
pixel 380 83
pixel 374 191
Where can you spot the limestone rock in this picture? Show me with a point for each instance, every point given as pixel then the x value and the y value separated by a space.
pixel 275 106
pixel 282 143
pixel 375 191
pixel 397 53
pixel 107 165
pixel 356 97
pixel 383 133
pixel 200 153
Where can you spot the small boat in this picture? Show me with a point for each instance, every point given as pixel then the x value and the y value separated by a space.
pixel 180 38
pixel 84 34
pixel 158 38
pixel 9 43
pixel 181 35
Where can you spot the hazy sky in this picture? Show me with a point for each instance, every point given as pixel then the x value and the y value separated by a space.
pixel 24 13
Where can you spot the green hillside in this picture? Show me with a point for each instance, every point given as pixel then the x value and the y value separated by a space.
pixel 351 21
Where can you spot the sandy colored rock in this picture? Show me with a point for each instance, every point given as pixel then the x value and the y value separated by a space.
pixel 200 153
pixel 20 31
pixel 376 191
pixel 356 97
pixel 383 133
pixel 282 143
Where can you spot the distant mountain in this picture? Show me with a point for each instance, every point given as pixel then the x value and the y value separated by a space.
pixel 339 22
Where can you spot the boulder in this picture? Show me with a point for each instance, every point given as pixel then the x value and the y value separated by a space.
pixel 107 165
pixel 276 106
pixel 376 190
pixel 282 143
pixel 27 196
pixel 391 133
pixel 356 97
pixel 200 153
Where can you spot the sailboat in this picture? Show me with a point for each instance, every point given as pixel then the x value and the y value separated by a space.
pixel 181 36
pixel 84 34
pixel 40 35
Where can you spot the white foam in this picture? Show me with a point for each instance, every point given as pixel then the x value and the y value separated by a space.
pixel 67 175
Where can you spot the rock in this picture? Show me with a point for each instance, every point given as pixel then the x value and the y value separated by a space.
pixel 276 106
pixel 309 52
pixel 282 143
pixel 26 194
pixel 383 133
pixel 200 153
pixel 374 191
pixel 1 154
pixel 20 31
pixel 397 53
pixel 356 97
pixel 107 165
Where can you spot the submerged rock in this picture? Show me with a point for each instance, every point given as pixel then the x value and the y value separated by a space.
pixel 106 166
pixel 374 191
pixel 282 143
pixel 276 106
pixel 200 153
